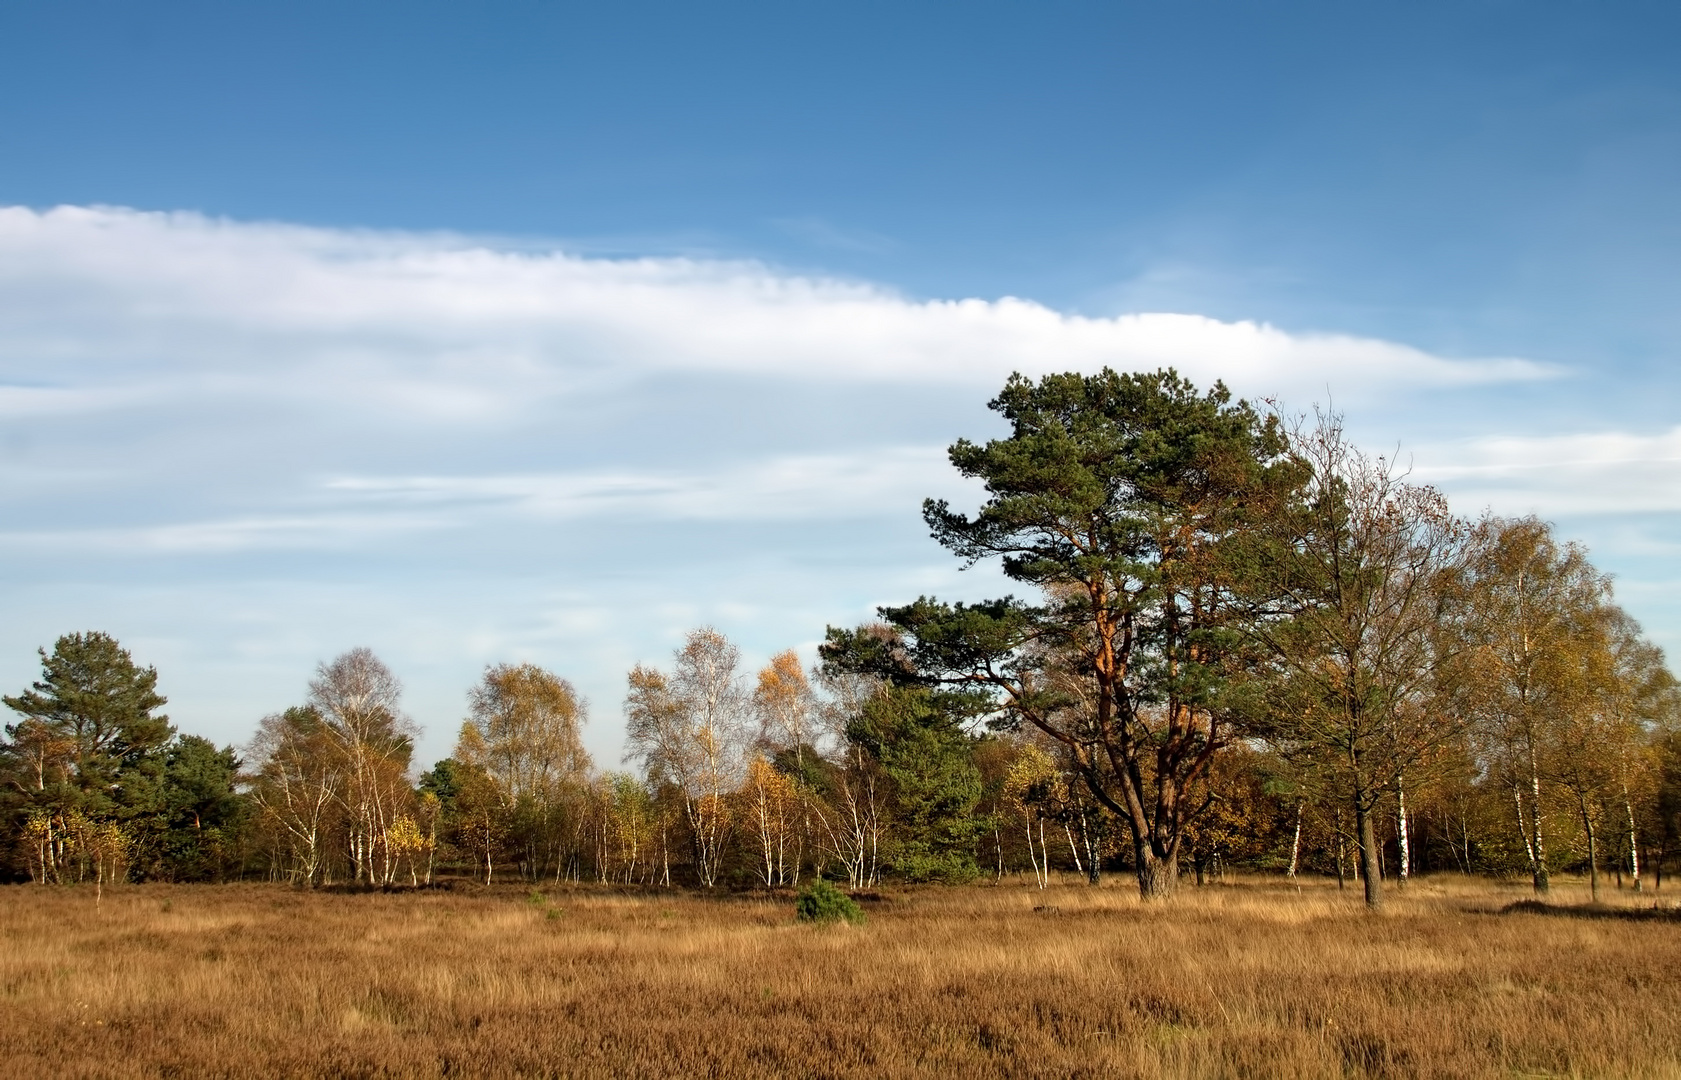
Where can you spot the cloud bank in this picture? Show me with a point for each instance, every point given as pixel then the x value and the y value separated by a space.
pixel 110 308
pixel 1606 472
pixel 249 446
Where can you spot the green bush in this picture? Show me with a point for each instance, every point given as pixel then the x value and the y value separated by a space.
pixel 951 868
pixel 823 903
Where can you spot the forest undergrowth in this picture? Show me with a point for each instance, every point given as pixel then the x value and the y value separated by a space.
pixel 1456 977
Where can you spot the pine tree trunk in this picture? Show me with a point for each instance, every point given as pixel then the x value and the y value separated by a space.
pixel 1156 876
pixel 1093 870
pixel 1593 851
pixel 1342 853
pixel 1369 867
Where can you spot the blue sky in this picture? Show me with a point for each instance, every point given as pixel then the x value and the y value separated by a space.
pixel 545 331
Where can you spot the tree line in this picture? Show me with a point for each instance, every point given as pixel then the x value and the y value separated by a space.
pixel 1244 643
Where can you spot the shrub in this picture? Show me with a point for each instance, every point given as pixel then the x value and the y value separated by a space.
pixel 823 903
pixel 950 868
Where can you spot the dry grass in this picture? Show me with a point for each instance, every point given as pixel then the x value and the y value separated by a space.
pixel 1240 980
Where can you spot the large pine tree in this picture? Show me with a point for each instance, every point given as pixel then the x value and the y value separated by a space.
pixel 1125 501
pixel 99 709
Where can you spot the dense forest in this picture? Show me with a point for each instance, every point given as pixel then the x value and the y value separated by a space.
pixel 1244 643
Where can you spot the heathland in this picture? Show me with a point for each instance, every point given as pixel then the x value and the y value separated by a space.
pixel 1241 646
pixel 1456 977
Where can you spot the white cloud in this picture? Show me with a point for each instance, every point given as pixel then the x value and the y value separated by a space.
pixel 271 532
pixel 867 484
pixel 440 326
pixel 1560 475
pixel 458 452
pixel 358 511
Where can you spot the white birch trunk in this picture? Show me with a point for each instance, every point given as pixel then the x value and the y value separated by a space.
pixel 1537 847
pixel 1296 844
pixel 1633 842
pixel 1402 837
pixel 1032 855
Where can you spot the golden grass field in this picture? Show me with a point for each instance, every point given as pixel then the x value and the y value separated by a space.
pixel 1246 979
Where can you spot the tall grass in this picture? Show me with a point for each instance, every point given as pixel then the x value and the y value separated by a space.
pixel 1240 980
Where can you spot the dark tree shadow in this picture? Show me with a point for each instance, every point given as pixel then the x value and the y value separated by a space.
pixel 1593 911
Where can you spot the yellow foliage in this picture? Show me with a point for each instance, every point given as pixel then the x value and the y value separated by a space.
pixel 405 836
pixel 1032 768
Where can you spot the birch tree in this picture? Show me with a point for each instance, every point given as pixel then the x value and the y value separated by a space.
pixel 1600 758
pixel 626 830
pixel 529 726
pixel 297 786
pixel 689 727
pixel 357 698
pixel 848 802
pixel 1363 591
pixel 787 709
pixel 38 761
pixel 481 804
pixel 1025 787
pixel 1643 705
pixel 1537 608
pixel 771 807
pixel 531 723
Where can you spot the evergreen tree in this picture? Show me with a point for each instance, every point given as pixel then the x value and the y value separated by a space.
pixel 922 746
pixel 89 748
pixel 1128 503
pixel 95 701
pixel 202 818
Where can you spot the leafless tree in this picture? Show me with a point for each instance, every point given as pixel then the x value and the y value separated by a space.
pixel 690 728
pixel 357 698
pixel 298 786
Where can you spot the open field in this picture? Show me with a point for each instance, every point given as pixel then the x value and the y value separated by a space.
pixel 1243 979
